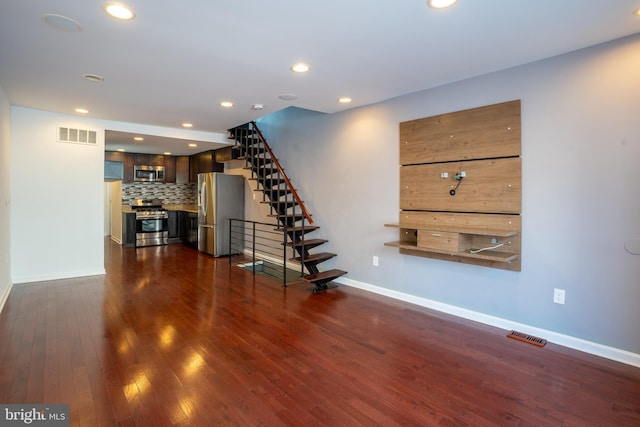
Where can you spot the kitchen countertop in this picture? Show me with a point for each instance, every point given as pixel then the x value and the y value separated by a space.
pixel 185 208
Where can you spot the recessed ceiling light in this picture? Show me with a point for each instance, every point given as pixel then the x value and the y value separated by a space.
pixel 226 104
pixel 138 138
pixel 637 12
pixel 300 68
pixel 288 97
pixel 93 78
pixel 441 4
pixel 62 23
pixel 187 125
pixel 119 11
pixel 344 100
pixel 82 111
pixel 193 145
pixel 121 150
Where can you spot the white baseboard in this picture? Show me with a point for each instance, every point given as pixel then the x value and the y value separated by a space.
pixel 579 344
pixel 5 296
pixel 68 275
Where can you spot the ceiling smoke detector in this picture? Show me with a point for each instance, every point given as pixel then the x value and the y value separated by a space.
pixel 257 107
pixel 62 23
pixel 93 78
pixel 288 97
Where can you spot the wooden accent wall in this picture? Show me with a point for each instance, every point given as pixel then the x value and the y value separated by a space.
pixel 491 186
pixel 479 133
pixel 484 145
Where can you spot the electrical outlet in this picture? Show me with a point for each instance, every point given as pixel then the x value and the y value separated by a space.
pixel 376 261
pixel 558 296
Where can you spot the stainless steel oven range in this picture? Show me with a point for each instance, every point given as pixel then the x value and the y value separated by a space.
pixel 152 222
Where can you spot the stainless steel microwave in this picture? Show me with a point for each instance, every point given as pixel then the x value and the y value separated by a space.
pixel 148 173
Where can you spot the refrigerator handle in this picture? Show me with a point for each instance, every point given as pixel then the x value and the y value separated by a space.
pixel 203 197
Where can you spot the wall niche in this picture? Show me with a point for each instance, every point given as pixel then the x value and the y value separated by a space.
pixel 461 187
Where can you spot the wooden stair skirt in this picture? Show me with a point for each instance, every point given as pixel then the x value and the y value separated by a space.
pixel 285 205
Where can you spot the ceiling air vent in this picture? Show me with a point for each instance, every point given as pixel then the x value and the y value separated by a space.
pixel 77 136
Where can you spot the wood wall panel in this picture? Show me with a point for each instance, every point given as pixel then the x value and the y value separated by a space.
pixel 492 186
pixel 479 133
pixel 469 222
pixel 480 222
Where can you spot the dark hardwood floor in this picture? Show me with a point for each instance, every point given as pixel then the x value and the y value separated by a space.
pixel 173 337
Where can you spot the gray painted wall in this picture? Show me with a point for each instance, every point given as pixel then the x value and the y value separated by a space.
pixel 581 147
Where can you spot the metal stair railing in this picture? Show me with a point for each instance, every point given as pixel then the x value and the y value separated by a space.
pixel 277 190
pixel 255 243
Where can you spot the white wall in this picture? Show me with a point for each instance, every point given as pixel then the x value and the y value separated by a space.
pixel 57 188
pixel 58 194
pixel 581 147
pixel 5 198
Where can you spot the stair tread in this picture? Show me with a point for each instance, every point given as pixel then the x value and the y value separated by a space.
pixel 306 228
pixel 279 203
pixel 289 215
pixel 308 243
pixel 324 275
pixel 322 256
pixel 268 182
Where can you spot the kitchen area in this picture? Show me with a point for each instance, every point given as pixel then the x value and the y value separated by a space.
pixel 153 200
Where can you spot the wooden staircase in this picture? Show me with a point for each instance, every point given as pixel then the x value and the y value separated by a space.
pixel 285 205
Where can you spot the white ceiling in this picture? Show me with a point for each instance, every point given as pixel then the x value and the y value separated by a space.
pixel 177 60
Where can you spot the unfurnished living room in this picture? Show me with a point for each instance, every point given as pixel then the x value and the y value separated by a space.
pixel 320 214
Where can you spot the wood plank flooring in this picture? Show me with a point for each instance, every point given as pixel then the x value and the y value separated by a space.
pixel 173 337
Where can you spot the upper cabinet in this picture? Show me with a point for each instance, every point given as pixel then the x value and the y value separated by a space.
pixel 177 169
pixel 126 159
pixel 182 169
pixel 148 159
pixel 202 163
pixel 169 163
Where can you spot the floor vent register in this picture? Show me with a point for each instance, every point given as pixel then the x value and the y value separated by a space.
pixel 530 339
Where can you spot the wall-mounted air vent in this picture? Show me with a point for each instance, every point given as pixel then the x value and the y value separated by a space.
pixel 77 136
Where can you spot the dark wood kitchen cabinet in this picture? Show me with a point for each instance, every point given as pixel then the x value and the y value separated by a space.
pixel 114 156
pixel 129 229
pixel 169 169
pixel 227 154
pixel 148 159
pixel 182 169
pixel 127 160
pixel 202 163
pixel 188 223
pixel 174 226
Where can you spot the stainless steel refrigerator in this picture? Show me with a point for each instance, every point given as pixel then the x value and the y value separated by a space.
pixel 220 197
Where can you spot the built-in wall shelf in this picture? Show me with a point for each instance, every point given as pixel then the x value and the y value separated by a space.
pixel 461 187
pixel 465 230
pixel 481 244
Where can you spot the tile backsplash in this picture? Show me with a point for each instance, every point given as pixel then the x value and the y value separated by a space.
pixel 170 194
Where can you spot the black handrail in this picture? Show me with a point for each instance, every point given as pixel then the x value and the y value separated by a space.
pixel 295 194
